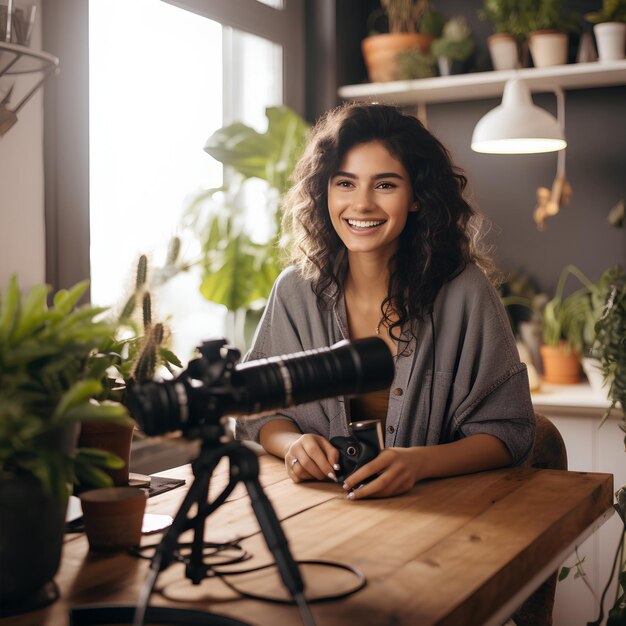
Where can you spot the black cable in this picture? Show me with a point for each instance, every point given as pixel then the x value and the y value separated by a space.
pixel 608 582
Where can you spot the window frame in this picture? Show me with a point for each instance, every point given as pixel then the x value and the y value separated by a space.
pixel 66 112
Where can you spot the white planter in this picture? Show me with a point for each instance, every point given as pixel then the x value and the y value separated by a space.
pixel 548 48
pixel 611 40
pixel 503 51
pixel 593 372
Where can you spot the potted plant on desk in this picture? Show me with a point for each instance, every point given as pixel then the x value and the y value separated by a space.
pixel 133 354
pixel 46 390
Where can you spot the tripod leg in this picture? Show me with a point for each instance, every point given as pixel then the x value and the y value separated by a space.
pixel 269 523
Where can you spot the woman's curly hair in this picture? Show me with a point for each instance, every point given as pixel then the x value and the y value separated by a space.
pixel 438 240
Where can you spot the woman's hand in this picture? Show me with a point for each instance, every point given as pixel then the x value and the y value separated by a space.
pixel 311 457
pixel 398 470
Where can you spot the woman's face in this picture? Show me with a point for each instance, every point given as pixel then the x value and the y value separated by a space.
pixel 369 199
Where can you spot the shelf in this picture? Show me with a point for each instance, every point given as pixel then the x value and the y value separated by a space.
pixel 581 395
pixel 487 84
pixel 15 60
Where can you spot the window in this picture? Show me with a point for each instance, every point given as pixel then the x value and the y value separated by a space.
pixel 161 80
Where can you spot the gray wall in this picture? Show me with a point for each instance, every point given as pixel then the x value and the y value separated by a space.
pixel 504 187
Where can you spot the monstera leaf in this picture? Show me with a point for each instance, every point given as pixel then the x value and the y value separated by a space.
pixel 269 156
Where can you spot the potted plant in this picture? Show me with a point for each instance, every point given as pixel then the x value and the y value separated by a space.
pixel 46 390
pixel 503 44
pixel 566 329
pixel 609 28
pixel 134 353
pixel 239 269
pixel 547 24
pixel 455 47
pixel 411 24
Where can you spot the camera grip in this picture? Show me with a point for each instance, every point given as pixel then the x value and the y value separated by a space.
pixel 353 454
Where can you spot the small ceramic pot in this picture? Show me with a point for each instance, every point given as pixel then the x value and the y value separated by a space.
pixel 611 40
pixel 113 517
pixel 548 48
pixel 503 51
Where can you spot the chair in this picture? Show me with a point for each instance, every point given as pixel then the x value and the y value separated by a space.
pixel 548 452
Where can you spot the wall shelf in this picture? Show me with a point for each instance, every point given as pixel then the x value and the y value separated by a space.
pixel 15 60
pixel 487 84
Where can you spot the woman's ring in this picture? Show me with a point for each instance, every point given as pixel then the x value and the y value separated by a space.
pixel 293 462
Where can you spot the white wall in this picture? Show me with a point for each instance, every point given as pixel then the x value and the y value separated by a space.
pixel 22 238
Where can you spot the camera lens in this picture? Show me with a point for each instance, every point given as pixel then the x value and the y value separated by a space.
pixel 347 368
pixel 199 398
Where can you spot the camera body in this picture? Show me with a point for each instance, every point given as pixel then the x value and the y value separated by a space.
pixel 364 444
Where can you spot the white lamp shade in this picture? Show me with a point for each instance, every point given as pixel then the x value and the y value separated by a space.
pixel 517 126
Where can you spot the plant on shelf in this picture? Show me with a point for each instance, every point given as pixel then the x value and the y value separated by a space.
pixel 238 268
pixel 413 64
pixel 609 29
pixel 611 11
pixel 46 390
pixel 455 47
pixel 546 24
pixel 410 26
pixel 505 41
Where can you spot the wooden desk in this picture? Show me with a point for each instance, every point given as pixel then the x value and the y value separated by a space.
pixel 465 550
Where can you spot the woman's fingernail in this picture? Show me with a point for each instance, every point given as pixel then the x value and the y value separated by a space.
pixel 350 496
pixel 336 467
pixel 332 476
pixel 346 486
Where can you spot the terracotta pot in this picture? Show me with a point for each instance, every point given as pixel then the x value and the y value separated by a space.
pixel 548 48
pixel 560 365
pixel 114 438
pixel 113 517
pixel 503 51
pixel 381 53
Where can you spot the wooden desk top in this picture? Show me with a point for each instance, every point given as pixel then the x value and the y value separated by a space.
pixel 464 550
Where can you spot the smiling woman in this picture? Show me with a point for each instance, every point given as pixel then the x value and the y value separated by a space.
pixel 383 242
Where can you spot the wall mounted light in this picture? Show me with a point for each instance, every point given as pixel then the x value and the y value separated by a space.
pixel 518 126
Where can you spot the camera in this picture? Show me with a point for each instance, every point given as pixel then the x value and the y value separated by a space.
pixel 214 384
pixel 360 448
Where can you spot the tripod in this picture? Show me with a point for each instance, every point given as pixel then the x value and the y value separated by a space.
pixel 244 467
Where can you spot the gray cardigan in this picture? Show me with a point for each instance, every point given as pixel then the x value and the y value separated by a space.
pixel 480 386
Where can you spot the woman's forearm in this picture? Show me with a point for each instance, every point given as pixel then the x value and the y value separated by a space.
pixel 276 436
pixel 471 454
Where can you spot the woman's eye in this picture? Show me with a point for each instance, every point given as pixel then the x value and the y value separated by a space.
pixel 344 183
pixel 385 186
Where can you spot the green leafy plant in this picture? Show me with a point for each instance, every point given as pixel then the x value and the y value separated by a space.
pixel 411 16
pixel 547 15
pixel 571 318
pixel 518 18
pixel 46 386
pixel 413 64
pixel 503 15
pixel 456 43
pixel 611 337
pixel 612 11
pixel 238 270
